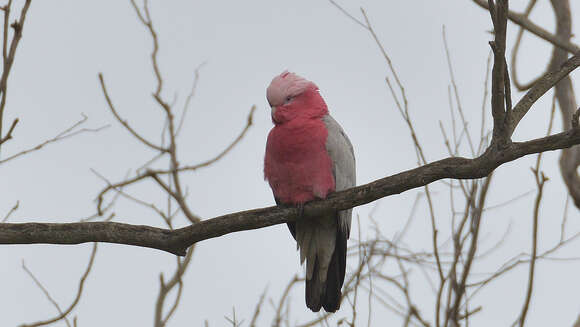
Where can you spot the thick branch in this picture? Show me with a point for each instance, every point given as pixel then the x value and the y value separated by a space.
pixel 177 241
pixel 500 80
pixel 76 233
pixel 515 49
pixel 564 91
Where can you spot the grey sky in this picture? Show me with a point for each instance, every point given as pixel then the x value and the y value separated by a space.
pixel 245 44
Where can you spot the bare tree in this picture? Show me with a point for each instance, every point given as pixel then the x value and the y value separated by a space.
pixel 447 268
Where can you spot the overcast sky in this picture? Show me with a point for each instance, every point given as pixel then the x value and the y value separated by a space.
pixel 244 45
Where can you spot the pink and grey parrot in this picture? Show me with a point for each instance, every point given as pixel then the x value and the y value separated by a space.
pixel 308 156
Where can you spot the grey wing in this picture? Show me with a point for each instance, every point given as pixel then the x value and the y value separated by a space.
pixel 343 165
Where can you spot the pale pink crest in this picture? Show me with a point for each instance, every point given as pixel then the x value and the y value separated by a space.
pixel 286 85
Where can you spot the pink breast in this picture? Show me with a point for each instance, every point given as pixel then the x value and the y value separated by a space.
pixel 296 164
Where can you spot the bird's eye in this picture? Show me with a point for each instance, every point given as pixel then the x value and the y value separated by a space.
pixel 288 99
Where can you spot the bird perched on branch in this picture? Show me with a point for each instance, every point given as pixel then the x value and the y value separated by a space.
pixel 308 156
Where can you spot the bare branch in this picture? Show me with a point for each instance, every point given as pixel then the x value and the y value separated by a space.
pixel 45 291
pixel 347 14
pixel 124 122
pixel 228 148
pixel 8 135
pixel 456 92
pixel 165 288
pixel 540 88
pixel 521 259
pixel 67 133
pixel 190 96
pixel 278 317
pixel 515 50
pixel 524 22
pixel 10 212
pixel 77 298
pixel 258 306
pixel 8 55
pixel 540 180
pixel 483 139
pixel 150 173
pixel 499 82
pixel 570 158
pixel 148 23
pixel 177 241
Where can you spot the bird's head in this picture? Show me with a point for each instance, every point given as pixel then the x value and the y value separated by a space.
pixel 291 96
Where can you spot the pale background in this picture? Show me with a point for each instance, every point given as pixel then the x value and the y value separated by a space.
pixel 246 43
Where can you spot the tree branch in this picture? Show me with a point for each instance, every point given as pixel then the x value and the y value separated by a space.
pixel 8 55
pixel 515 49
pixel 564 92
pixel 123 121
pixel 71 131
pixel 63 315
pixel 545 83
pixel 8 135
pixel 177 241
pixel 500 81
pixel 523 21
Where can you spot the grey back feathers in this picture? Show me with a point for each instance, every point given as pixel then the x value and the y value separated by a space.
pixel 322 240
pixel 341 153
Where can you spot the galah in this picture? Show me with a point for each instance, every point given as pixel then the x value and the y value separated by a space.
pixel 308 156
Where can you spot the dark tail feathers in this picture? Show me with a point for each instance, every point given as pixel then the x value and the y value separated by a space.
pixel 328 295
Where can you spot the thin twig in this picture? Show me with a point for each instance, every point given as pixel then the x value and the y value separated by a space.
pixel 8 56
pixel 45 291
pixel 150 172
pixel 65 313
pixel 540 179
pixel 456 92
pixel 8 135
pixel 189 98
pixel 166 287
pixel 289 286
pixel 10 212
pixel 258 307
pixel 123 121
pixel 347 14
pixel 67 133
